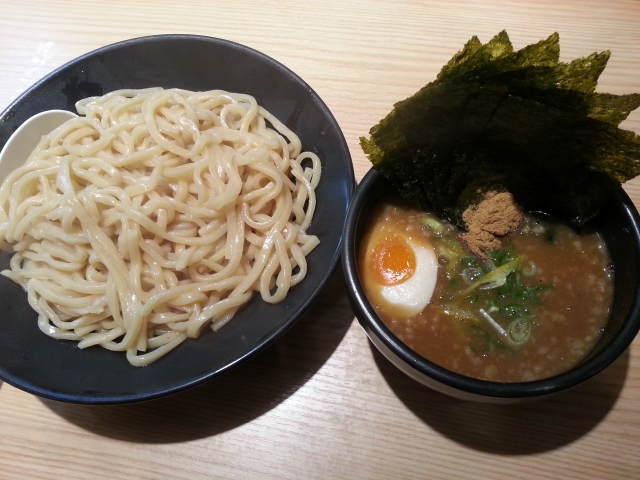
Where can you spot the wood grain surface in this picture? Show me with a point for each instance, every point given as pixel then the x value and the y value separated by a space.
pixel 321 402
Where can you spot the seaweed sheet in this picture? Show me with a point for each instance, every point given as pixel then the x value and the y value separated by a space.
pixel 499 119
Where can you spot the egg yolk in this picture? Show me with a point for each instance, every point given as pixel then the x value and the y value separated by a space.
pixel 393 261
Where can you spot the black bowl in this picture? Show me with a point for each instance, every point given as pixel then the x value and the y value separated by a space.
pixel 58 369
pixel 618 224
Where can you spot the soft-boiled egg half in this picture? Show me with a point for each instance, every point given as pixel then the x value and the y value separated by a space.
pixel 398 270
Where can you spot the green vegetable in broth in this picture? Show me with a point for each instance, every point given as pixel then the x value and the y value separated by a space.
pixel 530 309
pixel 495 303
pixel 495 278
pixel 496 119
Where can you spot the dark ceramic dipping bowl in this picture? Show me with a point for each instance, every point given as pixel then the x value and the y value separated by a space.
pixel 619 225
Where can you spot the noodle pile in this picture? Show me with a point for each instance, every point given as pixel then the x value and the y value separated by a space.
pixel 156 214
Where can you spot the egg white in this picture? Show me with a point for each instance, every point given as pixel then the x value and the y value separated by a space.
pixel 411 296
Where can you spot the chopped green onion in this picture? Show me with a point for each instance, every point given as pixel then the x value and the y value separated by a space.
pixel 471 274
pixel 513 311
pixel 520 330
pixel 529 269
pixel 513 289
pixel 433 224
pixel 503 333
pixel 470 261
pixel 500 257
pixel 495 278
pixel 450 249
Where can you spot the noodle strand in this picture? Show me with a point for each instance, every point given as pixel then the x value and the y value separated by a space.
pixel 157 213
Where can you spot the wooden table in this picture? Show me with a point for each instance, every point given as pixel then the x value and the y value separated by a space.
pixel 321 402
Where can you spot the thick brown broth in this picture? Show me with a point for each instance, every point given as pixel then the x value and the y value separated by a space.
pixel 552 310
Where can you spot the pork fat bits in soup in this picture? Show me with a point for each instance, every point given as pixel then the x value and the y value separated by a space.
pixel 531 310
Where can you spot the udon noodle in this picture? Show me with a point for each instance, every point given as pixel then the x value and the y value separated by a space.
pixel 158 213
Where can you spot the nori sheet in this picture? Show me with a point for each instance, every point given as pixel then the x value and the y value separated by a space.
pixel 521 121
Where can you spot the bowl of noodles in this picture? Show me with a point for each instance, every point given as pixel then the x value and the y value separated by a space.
pixel 181 224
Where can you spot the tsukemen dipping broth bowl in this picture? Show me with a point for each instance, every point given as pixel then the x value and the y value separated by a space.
pixel 618 224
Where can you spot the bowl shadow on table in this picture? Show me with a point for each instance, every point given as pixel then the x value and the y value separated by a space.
pixel 517 429
pixel 239 396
